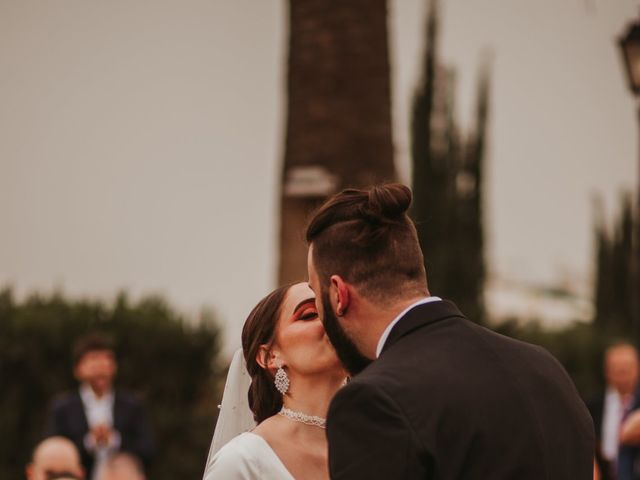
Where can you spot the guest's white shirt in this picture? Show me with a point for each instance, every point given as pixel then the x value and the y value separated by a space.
pixel 613 412
pixel 98 411
pixel 387 331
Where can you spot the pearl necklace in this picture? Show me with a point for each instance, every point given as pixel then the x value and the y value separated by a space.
pixel 312 420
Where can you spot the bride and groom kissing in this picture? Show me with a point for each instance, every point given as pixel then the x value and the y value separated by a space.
pixel 362 374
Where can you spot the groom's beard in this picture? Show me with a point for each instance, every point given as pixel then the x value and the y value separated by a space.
pixel 347 351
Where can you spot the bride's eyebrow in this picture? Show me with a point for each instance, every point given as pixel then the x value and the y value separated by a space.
pixel 304 302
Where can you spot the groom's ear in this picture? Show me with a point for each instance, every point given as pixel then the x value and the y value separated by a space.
pixel 340 292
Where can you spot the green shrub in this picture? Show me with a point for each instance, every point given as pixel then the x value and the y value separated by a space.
pixel 169 362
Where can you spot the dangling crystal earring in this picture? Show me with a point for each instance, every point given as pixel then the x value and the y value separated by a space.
pixel 281 380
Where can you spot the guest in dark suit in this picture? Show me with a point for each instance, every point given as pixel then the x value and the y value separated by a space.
pixel 442 398
pixel 99 419
pixel 609 409
pixel 629 452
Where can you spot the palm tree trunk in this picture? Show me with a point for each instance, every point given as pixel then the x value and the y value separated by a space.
pixel 339 112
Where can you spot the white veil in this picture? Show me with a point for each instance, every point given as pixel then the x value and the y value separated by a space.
pixel 235 416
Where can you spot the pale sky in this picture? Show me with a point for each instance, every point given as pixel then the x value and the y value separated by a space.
pixel 140 142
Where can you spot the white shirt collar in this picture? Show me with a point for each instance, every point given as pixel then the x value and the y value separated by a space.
pixel 90 400
pixel 97 410
pixel 387 331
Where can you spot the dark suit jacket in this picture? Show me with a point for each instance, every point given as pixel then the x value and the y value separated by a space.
pixel 596 409
pixel 629 455
pixel 67 418
pixel 450 400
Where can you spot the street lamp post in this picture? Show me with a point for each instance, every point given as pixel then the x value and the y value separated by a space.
pixel 630 48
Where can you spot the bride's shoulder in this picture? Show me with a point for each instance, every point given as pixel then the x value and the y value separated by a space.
pixel 238 459
pixel 242 446
pixel 276 432
pixel 269 428
pixel 247 456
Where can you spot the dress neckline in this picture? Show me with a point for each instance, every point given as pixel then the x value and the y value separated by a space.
pixel 273 452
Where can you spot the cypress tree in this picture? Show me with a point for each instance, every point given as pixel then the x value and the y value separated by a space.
pixel 614 279
pixel 447 181
pixel 603 293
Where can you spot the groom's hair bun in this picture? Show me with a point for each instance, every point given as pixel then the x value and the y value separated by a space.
pixel 374 207
pixel 387 203
pixel 366 237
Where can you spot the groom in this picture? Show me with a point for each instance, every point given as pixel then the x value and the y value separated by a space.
pixel 435 396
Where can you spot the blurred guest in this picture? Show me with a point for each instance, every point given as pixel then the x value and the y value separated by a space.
pixel 609 410
pixel 122 466
pixel 97 418
pixel 55 458
pixel 629 455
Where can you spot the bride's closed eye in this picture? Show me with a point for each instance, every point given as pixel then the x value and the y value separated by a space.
pixel 308 314
pixel 305 310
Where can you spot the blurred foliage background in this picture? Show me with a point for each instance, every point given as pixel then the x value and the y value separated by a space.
pixel 171 363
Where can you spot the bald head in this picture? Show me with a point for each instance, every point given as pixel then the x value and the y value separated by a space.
pixel 122 466
pixel 57 456
pixel 621 368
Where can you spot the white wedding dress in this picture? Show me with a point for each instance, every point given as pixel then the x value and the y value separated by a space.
pixel 236 453
pixel 247 457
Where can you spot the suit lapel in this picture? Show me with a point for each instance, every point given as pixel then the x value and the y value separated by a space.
pixel 597 412
pixel 419 317
pixel 117 411
pixel 79 415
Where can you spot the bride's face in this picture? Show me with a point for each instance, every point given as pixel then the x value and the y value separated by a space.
pixel 301 341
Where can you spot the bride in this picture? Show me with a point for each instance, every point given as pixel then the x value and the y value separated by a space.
pixel 293 372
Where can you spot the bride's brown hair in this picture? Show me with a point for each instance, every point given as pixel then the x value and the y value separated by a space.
pixel 260 329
